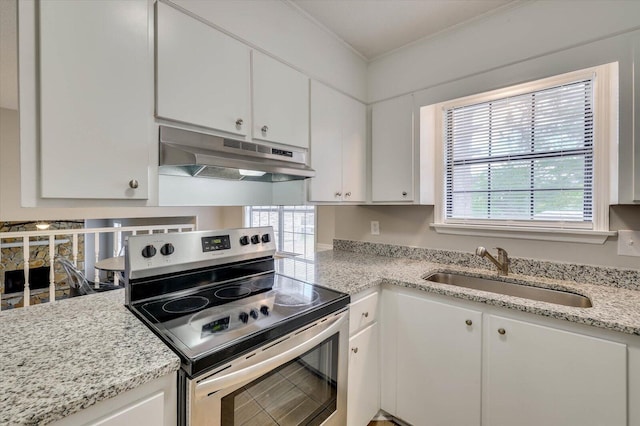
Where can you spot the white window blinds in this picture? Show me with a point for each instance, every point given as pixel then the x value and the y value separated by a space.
pixel 524 158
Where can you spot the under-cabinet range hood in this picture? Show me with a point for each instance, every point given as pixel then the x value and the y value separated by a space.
pixel 188 153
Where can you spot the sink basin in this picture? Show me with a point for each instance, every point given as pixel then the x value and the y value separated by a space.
pixel 558 297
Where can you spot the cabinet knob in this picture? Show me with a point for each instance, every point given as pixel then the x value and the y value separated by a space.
pixel 264 129
pixel 338 194
pixel 404 193
pixel 468 322
pixel 354 350
pixel 133 184
pixel 348 194
pixel 365 314
pixel 239 122
pixel 502 331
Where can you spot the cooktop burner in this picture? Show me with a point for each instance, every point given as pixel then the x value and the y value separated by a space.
pixel 234 292
pixel 185 304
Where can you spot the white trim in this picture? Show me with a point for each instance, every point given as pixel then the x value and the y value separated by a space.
pixel 544 234
pixel 605 80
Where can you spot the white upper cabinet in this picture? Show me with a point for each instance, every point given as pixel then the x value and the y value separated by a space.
pixel 203 75
pixel 96 91
pixel 338 146
pixel 280 102
pixel 392 150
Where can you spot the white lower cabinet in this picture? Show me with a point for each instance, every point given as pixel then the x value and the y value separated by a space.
pixel 363 388
pixel 448 364
pixel 542 376
pixel 364 380
pixel 438 363
pixel 153 403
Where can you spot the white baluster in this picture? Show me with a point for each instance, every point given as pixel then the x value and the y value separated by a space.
pixel 52 272
pixel 166 230
pixel 74 250
pixel 25 255
pixel 96 249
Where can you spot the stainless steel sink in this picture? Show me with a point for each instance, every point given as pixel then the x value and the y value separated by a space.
pixel 512 289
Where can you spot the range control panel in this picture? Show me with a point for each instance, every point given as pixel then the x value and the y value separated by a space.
pixel 187 250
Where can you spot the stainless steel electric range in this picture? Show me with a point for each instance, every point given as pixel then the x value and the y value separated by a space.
pixel 256 347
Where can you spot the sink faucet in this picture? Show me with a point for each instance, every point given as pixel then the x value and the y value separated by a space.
pixel 502 263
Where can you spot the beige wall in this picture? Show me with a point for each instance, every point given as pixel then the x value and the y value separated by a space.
pixel 325 224
pixel 409 225
pixel 10 209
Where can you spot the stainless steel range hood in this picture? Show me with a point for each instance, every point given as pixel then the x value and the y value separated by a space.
pixel 188 153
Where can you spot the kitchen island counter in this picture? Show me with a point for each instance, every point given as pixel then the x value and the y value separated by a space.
pixel 59 358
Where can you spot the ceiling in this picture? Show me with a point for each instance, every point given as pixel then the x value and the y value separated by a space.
pixel 375 27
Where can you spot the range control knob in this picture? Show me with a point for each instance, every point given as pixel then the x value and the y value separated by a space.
pixel 254 314
pixel 244 240
pixel 255 239
pixel 264 310
pixel 167 249
pixel 148 251
pixel 244 317
pixel 266 238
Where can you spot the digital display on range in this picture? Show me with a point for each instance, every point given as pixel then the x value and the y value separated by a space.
pixel 220 242
pixel 216 326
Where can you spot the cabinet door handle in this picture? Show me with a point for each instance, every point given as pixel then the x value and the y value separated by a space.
pixel 502 331
pixel 133 184
pixel 264 129
pixel 404 193
pixel 338 194
pixel 468 322
pixel 354 350
pixel 365 314
pixel 239 122
pixel 348 194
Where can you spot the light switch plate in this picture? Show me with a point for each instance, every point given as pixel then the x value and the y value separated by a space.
pixel 375 227
pixel 629 243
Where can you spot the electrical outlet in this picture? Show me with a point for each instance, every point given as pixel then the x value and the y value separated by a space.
pixel 375 227
pixel 629 243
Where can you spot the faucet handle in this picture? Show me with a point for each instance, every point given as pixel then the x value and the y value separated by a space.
pixel 481 251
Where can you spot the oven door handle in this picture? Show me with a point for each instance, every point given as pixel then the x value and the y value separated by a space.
pixel 214 384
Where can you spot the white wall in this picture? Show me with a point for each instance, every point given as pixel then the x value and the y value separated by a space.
pixel 530 41
pixel 276 27
pixel 509 36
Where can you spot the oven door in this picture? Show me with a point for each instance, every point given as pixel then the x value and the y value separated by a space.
pixel 301 379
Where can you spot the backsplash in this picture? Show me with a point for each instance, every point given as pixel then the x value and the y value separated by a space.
pixel 600 275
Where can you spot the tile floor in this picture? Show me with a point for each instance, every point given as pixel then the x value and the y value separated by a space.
pixel 292 395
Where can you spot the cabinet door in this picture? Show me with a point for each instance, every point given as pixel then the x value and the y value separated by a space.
pixel 280 102
pixel 541 376
pixel 149 411
pixel 392 162
pixel 326 144
pixel 438 363
pixel 354 150
pixel 96 85
pixel 364 377
pixel 203 75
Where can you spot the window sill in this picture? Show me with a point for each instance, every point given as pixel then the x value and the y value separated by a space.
pixel 544 234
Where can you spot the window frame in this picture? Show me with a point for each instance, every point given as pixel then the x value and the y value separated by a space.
pixel 605 156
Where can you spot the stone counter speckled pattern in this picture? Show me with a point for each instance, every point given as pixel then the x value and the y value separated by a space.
pixel 58 358
pixel 613 308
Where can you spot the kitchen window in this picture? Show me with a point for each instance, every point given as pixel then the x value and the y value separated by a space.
pixel 531 161
pixel 293 227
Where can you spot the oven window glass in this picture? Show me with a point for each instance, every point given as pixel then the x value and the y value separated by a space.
pixel 301 392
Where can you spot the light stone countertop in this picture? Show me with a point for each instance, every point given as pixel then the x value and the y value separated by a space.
pixel 351 272
pixel 58 358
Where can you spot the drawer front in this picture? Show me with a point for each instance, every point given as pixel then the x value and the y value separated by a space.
pixel 363 312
